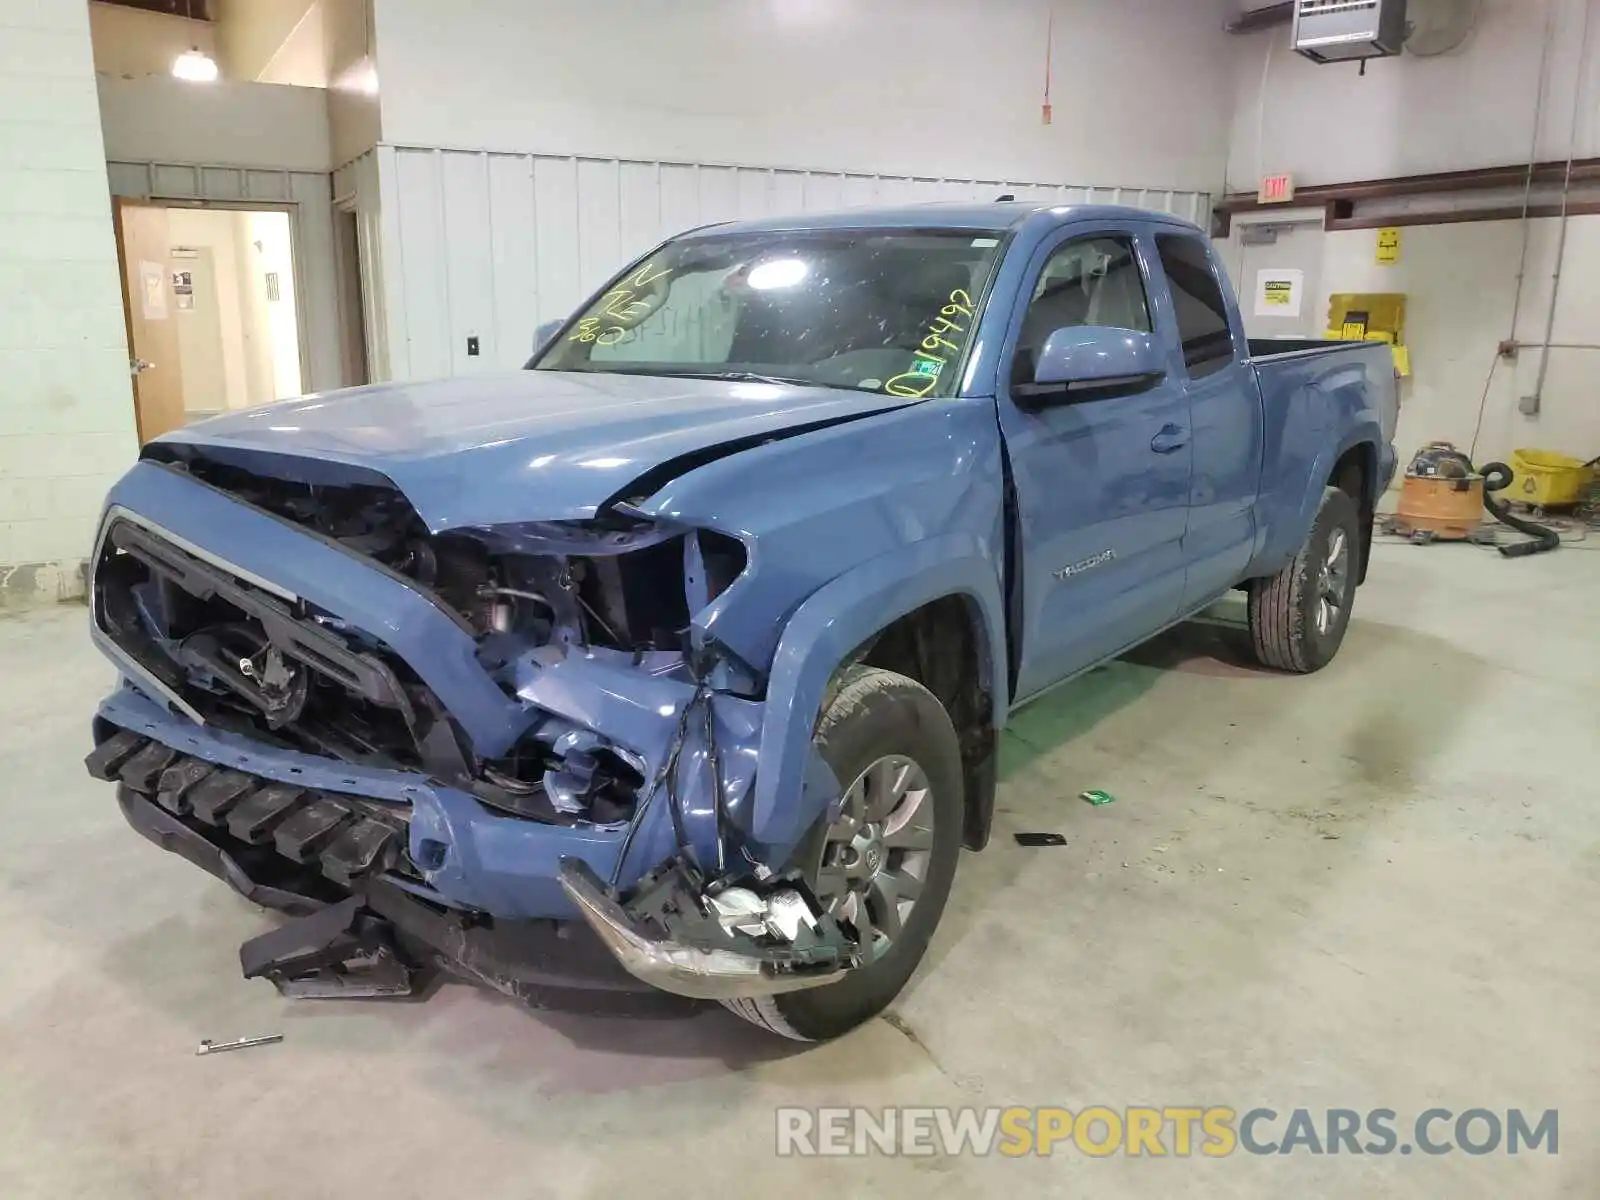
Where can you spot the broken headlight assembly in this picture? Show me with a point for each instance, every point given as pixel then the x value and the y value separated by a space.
pixel 752 934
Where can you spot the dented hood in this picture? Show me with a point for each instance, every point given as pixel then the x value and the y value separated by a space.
pixel 527 445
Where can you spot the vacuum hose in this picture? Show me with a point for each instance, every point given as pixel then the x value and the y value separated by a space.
pixel 1496 478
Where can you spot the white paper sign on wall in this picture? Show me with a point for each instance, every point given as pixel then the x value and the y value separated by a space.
pixel 153 292
pixel 1279 293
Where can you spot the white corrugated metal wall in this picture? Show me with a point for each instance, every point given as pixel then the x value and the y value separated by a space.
pixel 488 245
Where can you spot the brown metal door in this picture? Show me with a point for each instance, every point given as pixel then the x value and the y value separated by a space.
pixel 143 245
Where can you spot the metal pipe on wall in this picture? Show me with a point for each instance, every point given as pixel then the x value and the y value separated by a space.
pixel 1533 159
pixel 1530 405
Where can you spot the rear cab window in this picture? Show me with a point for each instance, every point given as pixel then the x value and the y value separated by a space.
pixel 1202 310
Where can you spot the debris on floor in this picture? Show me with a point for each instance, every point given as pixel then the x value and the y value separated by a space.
pixel 1040 839
pixel 1096 797
pixel 244 1043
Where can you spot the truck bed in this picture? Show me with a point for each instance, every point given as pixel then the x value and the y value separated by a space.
pixel 1308 389
pixel 1265 348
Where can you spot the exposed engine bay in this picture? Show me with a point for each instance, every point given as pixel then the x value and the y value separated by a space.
pixel 278 670
pixel 612 582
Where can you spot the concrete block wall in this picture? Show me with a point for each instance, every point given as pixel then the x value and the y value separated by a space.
pixel 66 405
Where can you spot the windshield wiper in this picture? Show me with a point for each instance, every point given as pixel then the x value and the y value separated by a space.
pixel 748 377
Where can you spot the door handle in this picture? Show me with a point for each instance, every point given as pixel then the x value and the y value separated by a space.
pixel 1172 438
pixel 138 366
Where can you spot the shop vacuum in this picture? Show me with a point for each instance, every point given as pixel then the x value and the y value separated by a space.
pixel 1444 496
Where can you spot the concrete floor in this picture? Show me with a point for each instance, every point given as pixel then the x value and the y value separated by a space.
pixel 1376 887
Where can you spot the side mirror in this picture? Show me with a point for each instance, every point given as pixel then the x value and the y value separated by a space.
pixel 1091 360
pixel 542 335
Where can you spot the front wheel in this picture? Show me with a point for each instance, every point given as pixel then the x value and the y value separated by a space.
pixel 886 864
pixel 1298 617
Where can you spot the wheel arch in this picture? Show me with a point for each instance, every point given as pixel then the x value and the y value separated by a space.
pixel 1355 473
pixel 1348 464
pixel 879 614
pixel 937 645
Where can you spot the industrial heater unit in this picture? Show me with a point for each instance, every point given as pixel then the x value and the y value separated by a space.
pixel 1347 30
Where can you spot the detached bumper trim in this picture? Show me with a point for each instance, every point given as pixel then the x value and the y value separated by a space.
pixel 168 832
pixel 523 958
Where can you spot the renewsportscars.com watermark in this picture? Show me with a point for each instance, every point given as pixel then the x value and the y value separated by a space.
pixel 1100 1131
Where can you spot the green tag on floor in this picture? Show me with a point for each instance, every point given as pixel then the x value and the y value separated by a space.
pixel 1097 798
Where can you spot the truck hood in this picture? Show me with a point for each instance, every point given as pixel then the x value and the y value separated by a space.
pixel 527 445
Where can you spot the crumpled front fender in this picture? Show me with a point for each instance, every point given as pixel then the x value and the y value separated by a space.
pixel 788 797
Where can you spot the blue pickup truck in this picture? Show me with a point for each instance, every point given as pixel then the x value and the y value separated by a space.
pixel 677 660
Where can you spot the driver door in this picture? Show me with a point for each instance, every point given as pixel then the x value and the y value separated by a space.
pixel 1102 482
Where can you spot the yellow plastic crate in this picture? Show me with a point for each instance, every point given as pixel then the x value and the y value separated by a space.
pixel 1548 480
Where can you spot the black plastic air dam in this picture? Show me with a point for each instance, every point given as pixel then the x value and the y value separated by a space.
pixel 543 963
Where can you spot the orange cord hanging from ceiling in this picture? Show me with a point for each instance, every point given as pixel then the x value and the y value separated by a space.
pixel 1049 49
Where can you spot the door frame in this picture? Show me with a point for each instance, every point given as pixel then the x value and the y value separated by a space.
pixel 296 261
pixel 307 193
pixel 354 336
pixel 117 205
pixel 1233 253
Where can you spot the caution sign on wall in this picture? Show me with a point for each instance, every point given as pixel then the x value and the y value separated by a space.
pixel 1388 247
pixel 1278 293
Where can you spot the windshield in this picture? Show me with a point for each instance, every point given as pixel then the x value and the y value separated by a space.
pixel 880 310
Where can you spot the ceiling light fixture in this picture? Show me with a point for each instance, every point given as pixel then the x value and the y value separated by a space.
pixel 194 65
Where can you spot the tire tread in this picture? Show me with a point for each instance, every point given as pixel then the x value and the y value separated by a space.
pixel 1276 605
pixel 855 691
pixel 764 1011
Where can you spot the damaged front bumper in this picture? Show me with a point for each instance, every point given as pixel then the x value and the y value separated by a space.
pixel 372 915
pixel 442 875
pixel 366 924
pixel 710 942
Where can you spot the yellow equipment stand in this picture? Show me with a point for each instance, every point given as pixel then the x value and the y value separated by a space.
pixel 1372 317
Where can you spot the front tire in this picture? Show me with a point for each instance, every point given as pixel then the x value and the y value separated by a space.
pixel 1298 617
pixel 886 866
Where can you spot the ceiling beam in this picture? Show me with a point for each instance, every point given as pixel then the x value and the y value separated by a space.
pixel 1443 183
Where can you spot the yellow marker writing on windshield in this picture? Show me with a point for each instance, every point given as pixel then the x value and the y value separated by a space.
pixel 912 385
pixel 621 304
pixel 929 362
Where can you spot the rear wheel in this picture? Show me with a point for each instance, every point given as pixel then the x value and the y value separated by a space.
pixel 886 864
pixel 1298 617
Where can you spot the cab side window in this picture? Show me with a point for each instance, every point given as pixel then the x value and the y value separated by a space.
pixel 1095 281
pixel 1202 313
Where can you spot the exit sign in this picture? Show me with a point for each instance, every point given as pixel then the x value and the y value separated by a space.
pixel 1276 189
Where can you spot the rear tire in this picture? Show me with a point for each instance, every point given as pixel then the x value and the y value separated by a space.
pixel 878 726
pixel 1298 617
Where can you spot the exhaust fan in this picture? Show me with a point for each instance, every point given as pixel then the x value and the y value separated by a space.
pixel 1347 30
pixel 1438 27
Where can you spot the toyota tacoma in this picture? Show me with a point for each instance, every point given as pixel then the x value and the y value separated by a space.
pixel 678 659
